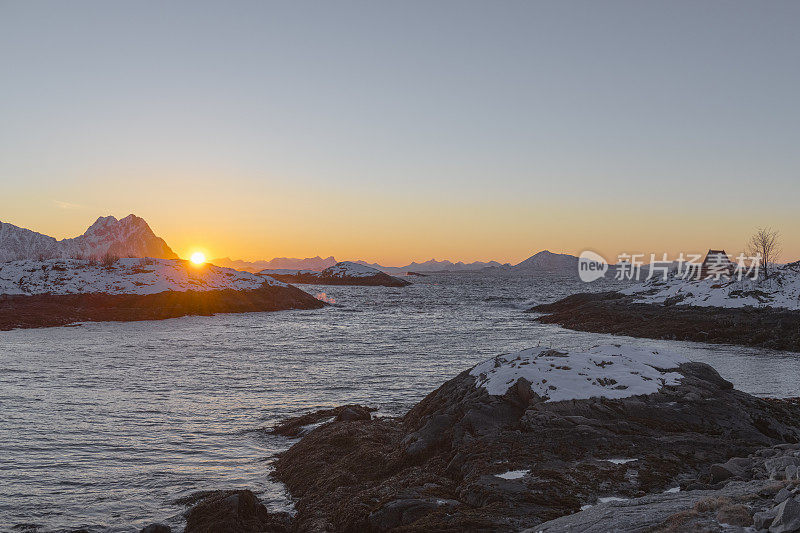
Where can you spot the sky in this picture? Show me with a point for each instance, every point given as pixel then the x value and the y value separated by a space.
pixel 400 131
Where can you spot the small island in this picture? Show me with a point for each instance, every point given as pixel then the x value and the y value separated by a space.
pixel 343 273
pixel 59 292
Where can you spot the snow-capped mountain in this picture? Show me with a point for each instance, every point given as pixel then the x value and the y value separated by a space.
pixel 128 237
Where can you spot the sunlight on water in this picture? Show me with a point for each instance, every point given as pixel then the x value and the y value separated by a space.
pixel 106 424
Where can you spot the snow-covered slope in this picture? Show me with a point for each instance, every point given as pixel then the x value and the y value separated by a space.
pixel 125 276
pixel 604 371
pixel 128 237
pixel 782 289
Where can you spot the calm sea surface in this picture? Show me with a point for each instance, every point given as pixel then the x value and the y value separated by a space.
pixel 103 426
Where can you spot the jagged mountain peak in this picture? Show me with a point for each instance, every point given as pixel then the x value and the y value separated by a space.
pixel 128 237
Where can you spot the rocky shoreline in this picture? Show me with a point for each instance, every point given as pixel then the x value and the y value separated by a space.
pixel 618 314
pixel 466 460
pixel 48 310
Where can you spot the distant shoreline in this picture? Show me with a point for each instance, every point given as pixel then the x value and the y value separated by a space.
pixel 618 314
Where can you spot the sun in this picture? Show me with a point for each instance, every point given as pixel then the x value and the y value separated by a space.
pixel 198 258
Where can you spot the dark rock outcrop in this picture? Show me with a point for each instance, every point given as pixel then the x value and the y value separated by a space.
pixel 232 511
pixel 614 313
pixel 47 310
pixel 462 459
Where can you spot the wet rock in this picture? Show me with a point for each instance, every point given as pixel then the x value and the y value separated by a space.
pixel 156 528
pixel 234 511
pixel 403 512
pixel 353 412
pixel 298 425
pixel 787 518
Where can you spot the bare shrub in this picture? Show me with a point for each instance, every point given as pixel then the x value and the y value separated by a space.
pixel 109 259
pixel 766 243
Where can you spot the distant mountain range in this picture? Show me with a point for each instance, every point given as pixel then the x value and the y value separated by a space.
pixel 132 237
pixel 129 237
pixel 433 266
pixel 544 260
pixel 310 263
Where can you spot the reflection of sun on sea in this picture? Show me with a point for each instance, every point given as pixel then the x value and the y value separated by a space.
pixel 198 258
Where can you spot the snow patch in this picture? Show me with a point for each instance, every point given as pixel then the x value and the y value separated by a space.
pixel 620 461
pixel 610 371
pixel 513 474
pixel 124 276
pixel 607 499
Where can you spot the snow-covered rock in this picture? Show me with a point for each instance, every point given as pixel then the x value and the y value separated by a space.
pixel 344 273
pixel 782 289
pixel 603 371
pixel 348 269
pixel 125 276
pixel 128 237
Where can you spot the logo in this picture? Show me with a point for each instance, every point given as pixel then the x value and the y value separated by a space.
pixel 591 266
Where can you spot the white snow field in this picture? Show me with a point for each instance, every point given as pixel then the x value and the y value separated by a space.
pixel 609 371
pixel 124 276
pixel 781 290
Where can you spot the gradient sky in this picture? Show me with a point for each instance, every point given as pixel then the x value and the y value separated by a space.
pixel 399 131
